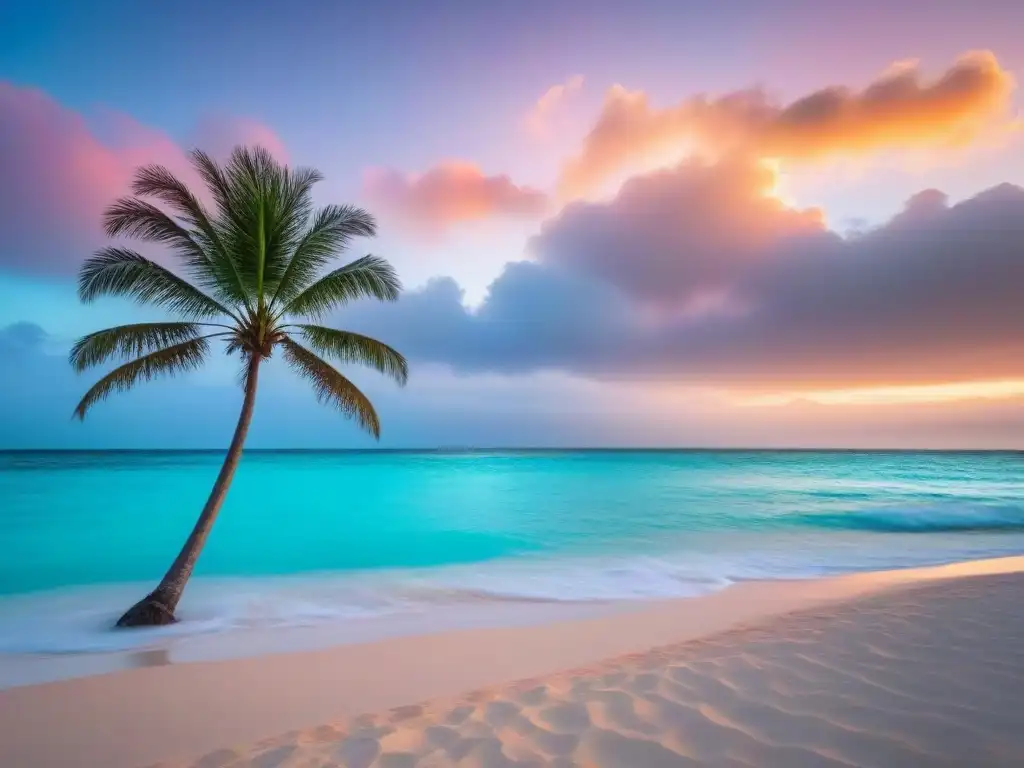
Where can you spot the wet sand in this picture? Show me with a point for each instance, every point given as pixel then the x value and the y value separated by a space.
pixel 910 668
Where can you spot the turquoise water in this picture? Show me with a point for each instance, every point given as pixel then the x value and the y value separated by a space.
pixel 320 536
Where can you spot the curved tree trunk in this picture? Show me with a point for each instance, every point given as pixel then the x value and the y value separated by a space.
pixel 157 608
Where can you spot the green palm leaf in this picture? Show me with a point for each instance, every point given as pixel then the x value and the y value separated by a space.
pixel 331 387
pixel 133 217
pixel 287 221
pixel 368 277
pixel 123 272
pixel 253 191
pixel 137 218
pixel 213 176
pixel 271 206
pixel 333 227
pixel 128 341
pixel 349 347
pixel 158 182
pixel 185 356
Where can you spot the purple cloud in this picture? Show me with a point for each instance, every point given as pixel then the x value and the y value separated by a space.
pixel 657 282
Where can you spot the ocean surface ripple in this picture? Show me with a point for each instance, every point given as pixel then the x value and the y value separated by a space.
pixel 440 539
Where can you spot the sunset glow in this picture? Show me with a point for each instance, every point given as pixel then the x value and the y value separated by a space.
pixel 357 359
pixel 924 393
pixel 805 224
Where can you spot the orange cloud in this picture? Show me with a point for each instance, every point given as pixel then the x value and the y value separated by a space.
pixel 899 110
pixel 538 119
pixel 449 193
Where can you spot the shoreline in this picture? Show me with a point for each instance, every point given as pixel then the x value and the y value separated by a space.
pixel 64 633
pixel 140 716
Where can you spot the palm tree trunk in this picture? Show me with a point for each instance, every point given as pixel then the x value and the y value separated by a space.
pixel 157 608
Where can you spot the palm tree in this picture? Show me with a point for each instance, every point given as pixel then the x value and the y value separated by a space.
pixel 256 260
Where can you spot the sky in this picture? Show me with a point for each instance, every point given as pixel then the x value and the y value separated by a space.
pixel 786 224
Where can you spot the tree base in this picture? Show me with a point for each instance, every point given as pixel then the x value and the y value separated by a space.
pixel 148 612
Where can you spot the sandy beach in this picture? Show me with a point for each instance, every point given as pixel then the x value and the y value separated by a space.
pixel 905 668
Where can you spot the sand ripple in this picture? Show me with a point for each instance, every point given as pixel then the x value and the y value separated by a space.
pixel 928 676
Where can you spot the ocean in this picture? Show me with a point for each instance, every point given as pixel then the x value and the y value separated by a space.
pixel 384 542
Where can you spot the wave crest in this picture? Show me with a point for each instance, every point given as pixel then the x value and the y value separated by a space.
pixel 925 518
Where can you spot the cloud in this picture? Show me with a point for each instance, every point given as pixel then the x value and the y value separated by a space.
pixel 450 193
pixel 59 175
pixel 39 390
pixel 219 134
pixel 899 110
pixel 22 338
pixel 538 119
pixel 626 290
pixel 676 236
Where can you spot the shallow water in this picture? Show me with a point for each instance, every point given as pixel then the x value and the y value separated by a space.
pixel 436 539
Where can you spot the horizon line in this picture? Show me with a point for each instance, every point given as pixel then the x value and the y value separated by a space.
pixel 530 449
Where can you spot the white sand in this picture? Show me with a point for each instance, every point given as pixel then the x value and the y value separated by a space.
pixel 911 668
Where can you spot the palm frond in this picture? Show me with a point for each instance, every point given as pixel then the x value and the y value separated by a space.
pixel 331 387
pixel 266 209
pixel 123 272
pixel 369 277
pixel 333 227
pixel 213 176
pixel 158 182
pixel 181 357
pixel 128 341
pixel 349 347
pixel 252 187
pixel 287 220
pixel 140 219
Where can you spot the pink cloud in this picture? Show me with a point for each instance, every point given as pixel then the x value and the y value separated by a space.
pixel 59 175
pixel 450 193
pixel 539 117
pixel 219 134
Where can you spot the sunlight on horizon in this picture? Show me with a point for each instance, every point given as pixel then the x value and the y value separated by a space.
pixel 892 395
